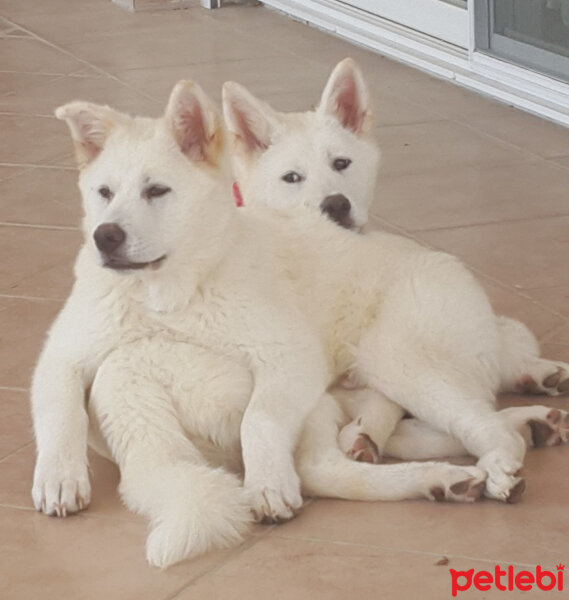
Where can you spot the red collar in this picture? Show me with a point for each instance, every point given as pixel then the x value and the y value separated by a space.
pixel 237 194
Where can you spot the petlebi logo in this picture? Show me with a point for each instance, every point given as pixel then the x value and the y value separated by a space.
pixel 507 580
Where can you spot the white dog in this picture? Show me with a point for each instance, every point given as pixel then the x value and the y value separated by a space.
pixel 207 333
pixel 327 160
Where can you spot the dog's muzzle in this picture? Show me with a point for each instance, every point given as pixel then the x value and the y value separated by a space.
pixel 109 239
pixel 337 207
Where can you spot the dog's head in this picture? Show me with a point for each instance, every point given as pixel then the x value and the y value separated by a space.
pixel 323 159
pixel 146 183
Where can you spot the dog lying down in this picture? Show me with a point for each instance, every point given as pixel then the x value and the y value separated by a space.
pixel 208 336
pixel 303 160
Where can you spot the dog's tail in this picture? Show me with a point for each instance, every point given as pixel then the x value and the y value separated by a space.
pixel 192 509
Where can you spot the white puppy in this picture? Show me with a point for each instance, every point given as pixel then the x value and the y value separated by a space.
pixel 208 333
pixel 327 160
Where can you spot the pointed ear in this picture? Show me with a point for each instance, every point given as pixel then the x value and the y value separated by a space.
pixel 90 125
pixel 346 98
pixel 251 121
pixel 195 123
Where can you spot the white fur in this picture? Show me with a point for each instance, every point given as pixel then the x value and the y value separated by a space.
pixel 223 349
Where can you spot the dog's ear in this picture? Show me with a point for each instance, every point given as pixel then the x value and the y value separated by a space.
pixel 346 98
pixel 195 123
pixel 90 125
pixel 250 120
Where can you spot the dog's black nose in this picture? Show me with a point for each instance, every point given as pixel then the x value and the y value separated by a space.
pixel 337 207
pixel 109 237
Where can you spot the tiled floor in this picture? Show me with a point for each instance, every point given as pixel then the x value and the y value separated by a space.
pixel 461 173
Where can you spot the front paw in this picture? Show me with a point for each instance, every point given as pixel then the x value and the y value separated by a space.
pixel 273 502
pixel 61 486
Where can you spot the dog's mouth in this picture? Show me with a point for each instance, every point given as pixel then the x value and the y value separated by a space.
pixel 118 264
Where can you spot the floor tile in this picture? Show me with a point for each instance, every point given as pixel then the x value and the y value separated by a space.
pixel 295 569
pixel 45 96
pixel 526 131
pixel 510 303
pixel 37 262
pixel 15 422
pixel 32 140
pixel 446 99
pixel 425 146
pixel 465 195
pixel 190 43
pixel 24 324
pixel 523 254
pixel 85 559
pixel 261 75
pixel 557 298
pixel 41 197
pixel 34 56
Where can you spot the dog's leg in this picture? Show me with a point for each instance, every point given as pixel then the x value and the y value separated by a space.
pixel 539 426
pixel 192 507
pixel 326 471
pixel 374 419
pixel 289 378
pixel 521 368
pixel 61 478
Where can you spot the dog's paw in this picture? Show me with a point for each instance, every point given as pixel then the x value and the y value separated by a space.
pixel 458 484
pixel 552 431
pixel 61 487
pixel 273 502
pixel 545 377
pixel 503 482
pixel 357 445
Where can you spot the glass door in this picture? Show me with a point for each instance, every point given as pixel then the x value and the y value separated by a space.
pixel 530 33
pixel 445 20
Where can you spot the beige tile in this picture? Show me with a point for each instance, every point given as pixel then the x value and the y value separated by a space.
pixel 466 195
pixel 524 254
pixel 300 569
pixel 445 98
pixel 262 75
pixel 87 559
pixel 37 262
pixel 34 56
pixel 10 172
pixel 557 298
pixel 526 131
pixel 425 146
pixel 106 21
pixel 24 324
pixel 510 303
pixel 41 197
pixel 12 84
pixel 45 96
pixel 32 140
pixel 185 44
pixel 15 422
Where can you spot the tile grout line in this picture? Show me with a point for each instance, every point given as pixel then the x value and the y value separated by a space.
pixel 38 226
pixel 6 456
pixel 31 299
pixel 244 547
pixel 402 550
pixel 80 60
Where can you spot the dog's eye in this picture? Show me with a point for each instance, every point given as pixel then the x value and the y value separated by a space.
pixel 105 192
pixel 156 191
pixel 292 177
pixel 340 164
